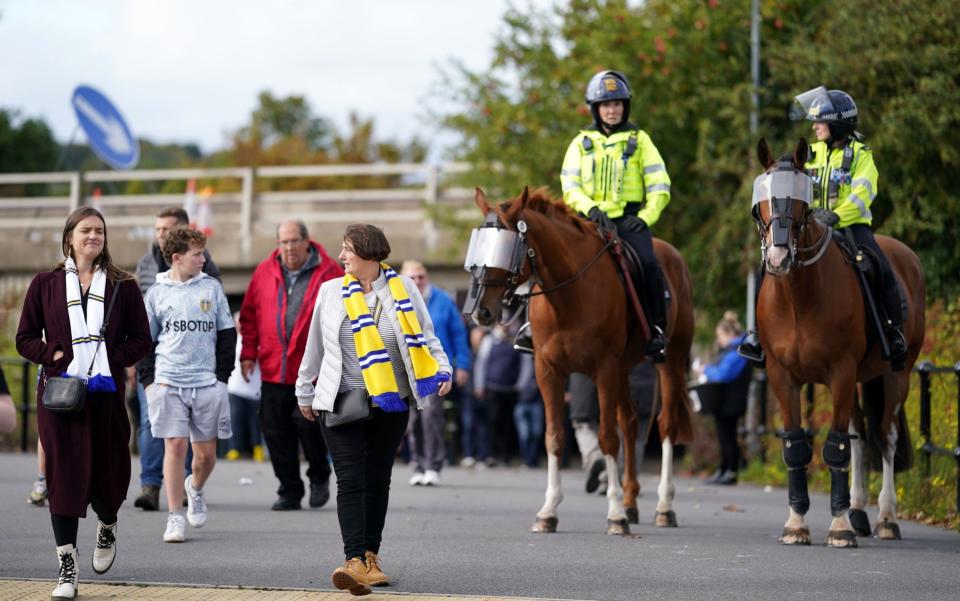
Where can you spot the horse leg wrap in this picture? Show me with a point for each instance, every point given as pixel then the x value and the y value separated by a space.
pixel 836 454
pixel 797 454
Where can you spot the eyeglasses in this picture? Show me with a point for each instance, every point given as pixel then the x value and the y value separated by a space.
pixel 289 242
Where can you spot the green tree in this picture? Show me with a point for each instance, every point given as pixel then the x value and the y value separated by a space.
pixel 276 119
pixel 285 131
pixel 688 64
pixel 25 144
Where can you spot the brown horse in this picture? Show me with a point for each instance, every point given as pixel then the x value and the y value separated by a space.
pixel 581 322
pixel 812 323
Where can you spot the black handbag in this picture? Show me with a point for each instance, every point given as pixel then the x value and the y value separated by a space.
pixel 66 394
pixel 350 406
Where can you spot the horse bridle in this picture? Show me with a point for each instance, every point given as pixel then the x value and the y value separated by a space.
pixel 494 233
pixel 781 188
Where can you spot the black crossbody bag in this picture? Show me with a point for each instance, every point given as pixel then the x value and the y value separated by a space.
pixel 351 405
pixel 68 395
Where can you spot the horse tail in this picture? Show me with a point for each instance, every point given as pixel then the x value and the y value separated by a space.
pixel 875 443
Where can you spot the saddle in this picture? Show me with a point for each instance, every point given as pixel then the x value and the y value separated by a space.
pixel 631 275
pixel 865 265
pixel 865 261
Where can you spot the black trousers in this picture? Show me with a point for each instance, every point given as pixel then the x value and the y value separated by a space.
pixel 642 243
pixel 504 443
pixel 889 298
pixel 284 430
pixel 729 445
pixel 363 455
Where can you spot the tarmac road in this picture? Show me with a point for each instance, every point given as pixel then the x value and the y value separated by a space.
pixel 470 536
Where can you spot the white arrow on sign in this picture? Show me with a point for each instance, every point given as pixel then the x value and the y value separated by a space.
pixel 116 137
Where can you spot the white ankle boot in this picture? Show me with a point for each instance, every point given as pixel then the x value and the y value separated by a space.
pixel 105 550
pixel 67 579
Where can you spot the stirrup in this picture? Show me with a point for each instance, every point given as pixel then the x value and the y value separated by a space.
pixel 523 341
pixel 656 349
pixel 751 350
pixel 898 347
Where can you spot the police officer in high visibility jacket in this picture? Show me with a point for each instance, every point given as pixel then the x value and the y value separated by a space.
pixel 613 174
pixel 844 185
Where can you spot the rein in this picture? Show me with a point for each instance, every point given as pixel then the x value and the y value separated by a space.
pixel 510 297
pixel 531 257
pixel 820 245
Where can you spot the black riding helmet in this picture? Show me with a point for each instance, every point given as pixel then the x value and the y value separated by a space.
pixel 836 108
pixel 604 86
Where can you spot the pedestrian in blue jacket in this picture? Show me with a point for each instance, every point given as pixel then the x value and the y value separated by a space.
pixel 427 427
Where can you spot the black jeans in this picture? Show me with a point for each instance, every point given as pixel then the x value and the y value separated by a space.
pixel 503 432
pixel 283 427
pixel 889 298
pixel 363 455
pixel 642 243
pixel 729 445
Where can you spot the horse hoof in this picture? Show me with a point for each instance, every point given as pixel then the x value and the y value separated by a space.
pixel 545 525
pixel 665 519
pixel 795 536
pixel 618 527
pixel 887 531
pixel 633 516
pixel 841 539
pixel 860 522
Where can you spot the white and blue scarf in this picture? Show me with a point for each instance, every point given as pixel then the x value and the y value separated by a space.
pixel 85 330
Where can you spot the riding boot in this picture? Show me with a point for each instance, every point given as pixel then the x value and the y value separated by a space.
pixel 893 326
pixel 523 342
pixel 656 349
pixel 750 348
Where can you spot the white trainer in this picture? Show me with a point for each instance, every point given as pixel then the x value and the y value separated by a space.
pixel 416 479
pixel 105 550
pixel 431 478
pixel 176 528
pixel 196 504
pixel 38 494
pixel 67 585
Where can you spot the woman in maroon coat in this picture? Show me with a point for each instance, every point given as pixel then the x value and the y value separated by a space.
pixel 88 460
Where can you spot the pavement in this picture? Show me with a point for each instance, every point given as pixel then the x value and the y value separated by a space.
pixel 469 538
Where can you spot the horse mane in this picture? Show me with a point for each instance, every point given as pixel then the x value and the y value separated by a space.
pixel 542 202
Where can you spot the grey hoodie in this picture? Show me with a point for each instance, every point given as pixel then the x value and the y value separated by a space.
pixel 185 320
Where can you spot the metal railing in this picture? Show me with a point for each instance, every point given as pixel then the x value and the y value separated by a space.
pixel 242 206
pixel 927 370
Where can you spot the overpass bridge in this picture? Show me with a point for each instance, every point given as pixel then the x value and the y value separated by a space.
pixel 244 208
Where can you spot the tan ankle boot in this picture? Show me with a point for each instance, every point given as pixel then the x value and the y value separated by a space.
pixel 352 576
pixel 375 575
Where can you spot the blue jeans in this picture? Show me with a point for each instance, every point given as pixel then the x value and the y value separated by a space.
pixel 151 449
pixel 473 420
pixel 528 418
pixel 245 418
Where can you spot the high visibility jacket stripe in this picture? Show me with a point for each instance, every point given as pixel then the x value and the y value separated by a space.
pixel 857 189
pixel 597 177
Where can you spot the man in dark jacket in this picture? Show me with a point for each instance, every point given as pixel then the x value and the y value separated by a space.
pixel 274 321
pixel 151 449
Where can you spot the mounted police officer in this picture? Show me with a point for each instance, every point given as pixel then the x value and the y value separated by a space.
pixel 613 174
pixel 845 184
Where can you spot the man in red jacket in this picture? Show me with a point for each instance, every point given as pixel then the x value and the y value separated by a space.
pixel 274 321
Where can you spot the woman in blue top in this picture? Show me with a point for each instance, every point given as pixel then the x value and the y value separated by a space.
pixel 728 369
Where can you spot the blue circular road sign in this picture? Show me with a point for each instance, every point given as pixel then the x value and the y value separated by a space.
pixel 107 133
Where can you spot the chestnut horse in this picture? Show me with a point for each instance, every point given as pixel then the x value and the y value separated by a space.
pixel 581 322
pixel 813 326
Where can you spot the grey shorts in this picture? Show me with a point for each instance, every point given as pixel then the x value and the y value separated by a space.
pixel 202 413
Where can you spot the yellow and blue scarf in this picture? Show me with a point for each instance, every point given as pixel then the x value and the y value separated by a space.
pixel 374 360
